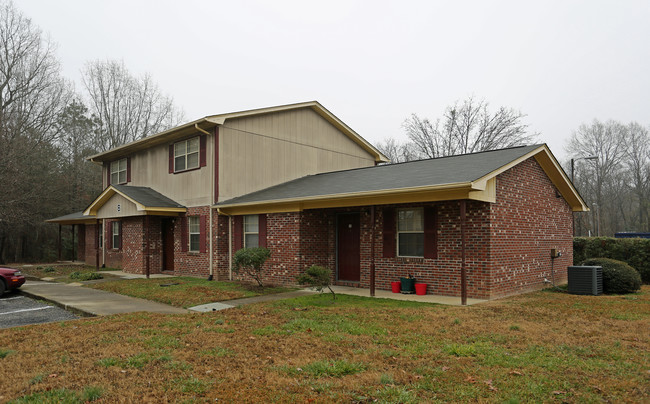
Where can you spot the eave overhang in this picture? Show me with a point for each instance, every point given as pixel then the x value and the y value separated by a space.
pixel 484 191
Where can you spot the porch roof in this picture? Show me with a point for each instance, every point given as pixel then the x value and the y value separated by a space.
pixel 72 218
pixel 468 176
pixel 145 199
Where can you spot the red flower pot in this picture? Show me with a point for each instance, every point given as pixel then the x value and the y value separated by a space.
pixel 396 286
pixel 420 289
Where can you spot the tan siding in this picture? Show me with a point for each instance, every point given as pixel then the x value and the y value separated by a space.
pixel 109 209
pixel 150 168
pixel 293 144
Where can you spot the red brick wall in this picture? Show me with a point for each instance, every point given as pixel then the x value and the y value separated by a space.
pixel 186 262
pixel 528 219
pixel 113 256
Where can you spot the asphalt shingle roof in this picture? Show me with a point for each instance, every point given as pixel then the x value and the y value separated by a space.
pixel 422 173
pixel 147 197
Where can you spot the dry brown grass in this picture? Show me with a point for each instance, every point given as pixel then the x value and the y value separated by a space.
pixel 539 347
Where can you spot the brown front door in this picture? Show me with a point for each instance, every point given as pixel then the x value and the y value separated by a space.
pixel 168 245
pixel 348 248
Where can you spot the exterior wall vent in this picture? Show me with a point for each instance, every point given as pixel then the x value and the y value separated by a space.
pixel 585 280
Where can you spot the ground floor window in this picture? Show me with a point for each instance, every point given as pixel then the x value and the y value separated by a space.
pixel 251 231
pixel 410 233
pixel 115 232
pixel 194 231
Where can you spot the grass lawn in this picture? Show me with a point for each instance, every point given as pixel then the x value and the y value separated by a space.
pixel 538 347
pixel 184 291
pixel 60 272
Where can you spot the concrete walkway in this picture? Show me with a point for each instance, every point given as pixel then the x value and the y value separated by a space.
pixel 385 294
pixel 87 301
pixel 229 304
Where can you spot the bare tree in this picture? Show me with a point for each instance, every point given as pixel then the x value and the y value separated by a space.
pixel 398 152
pixel 468 127
pixel 32 94
pixel 637 160
pixel 128 107
pixel 607 141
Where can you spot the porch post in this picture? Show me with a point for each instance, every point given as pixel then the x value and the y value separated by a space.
pixel 59 242
pixel 463 274
pixel 372 250
pixel 97 230
pixel 146 240
pixel 72 234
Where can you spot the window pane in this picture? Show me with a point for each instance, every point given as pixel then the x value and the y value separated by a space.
pixel 193 145
pixel 115 178
pixel 411 244
pixel 122 164
pixel 115 167
pixel 194 224
pixel 179 163
pixel 194 242
pixel 179 149
pixel 251 223
pixel 116 228
pixel 251 241
pixel 410 220
pixel 122 177
pixel 193 160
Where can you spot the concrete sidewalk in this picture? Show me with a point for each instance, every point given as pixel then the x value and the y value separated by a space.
pixel 228 304
pixel 92 301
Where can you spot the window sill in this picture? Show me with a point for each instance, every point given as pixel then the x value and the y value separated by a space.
pixel 193 252
pixel 410 259
pixel 188 170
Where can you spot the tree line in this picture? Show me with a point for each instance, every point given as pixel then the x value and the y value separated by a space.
pixel 48 128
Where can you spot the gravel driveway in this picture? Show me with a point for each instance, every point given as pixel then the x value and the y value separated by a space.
pixel 17 310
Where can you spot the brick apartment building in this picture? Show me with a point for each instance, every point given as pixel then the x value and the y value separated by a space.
pixel 297 180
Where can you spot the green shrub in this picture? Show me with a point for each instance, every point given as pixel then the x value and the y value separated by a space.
pixel 250 261
pixel 317 277
pixel 618 277
pixel 86 276
pixel 634 251
pixel 48 269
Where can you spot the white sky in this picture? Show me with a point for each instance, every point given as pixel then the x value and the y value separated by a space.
pixel 373 63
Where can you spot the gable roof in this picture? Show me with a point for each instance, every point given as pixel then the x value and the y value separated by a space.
pixel 144 198
pixel 469 176
pixel 209 122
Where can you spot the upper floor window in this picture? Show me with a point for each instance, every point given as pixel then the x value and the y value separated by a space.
pixel 119 171
pixel 194 230
pixel 410 233
pixel 186 154
pixel 251 231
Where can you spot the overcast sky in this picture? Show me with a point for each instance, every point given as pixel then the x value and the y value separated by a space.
pixel 373 63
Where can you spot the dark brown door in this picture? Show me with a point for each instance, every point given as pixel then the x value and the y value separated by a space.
pixel 168 245
pixel 348 247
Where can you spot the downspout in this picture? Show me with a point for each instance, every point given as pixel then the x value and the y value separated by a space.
pixel 97 230
pixel 210 244
pixel 103 244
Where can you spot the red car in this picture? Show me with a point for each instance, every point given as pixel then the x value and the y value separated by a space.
pixel 10 279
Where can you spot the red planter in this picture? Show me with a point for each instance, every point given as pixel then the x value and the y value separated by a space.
pixel 396 286
pixel 420 289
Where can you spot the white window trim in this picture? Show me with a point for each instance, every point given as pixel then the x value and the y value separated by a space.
pixel 115 232
pixel 251 232
pixel 398 232
pixel 186 154
pixel 115 169
pixel 190 233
